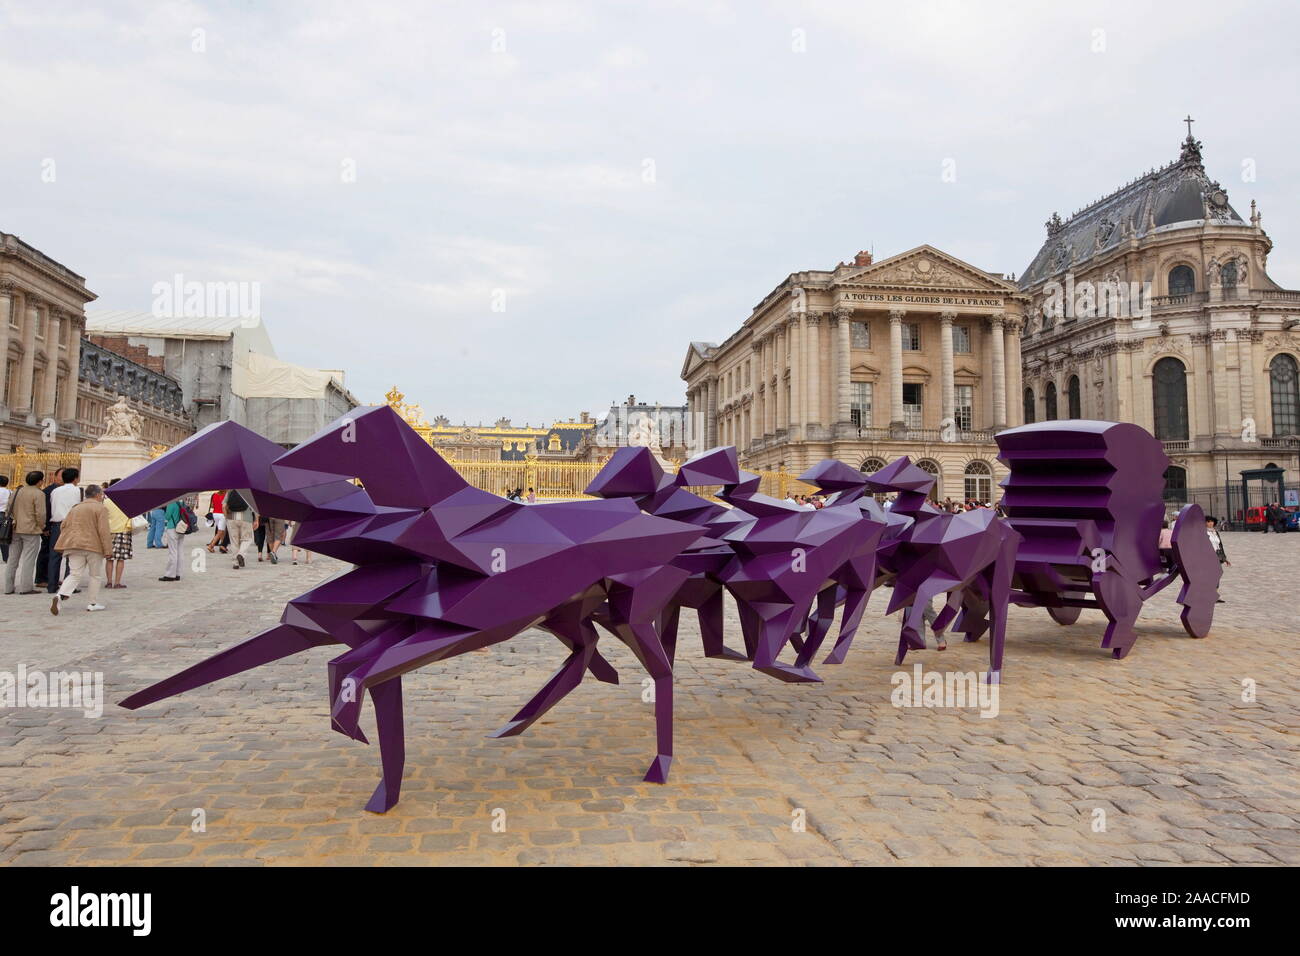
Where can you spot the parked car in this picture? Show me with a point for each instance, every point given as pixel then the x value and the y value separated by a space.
pixel 1292 522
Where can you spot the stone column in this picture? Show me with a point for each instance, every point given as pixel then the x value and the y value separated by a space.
pixel 778 381
pixel 769 393
pixel 45 406
pixel 24 401
pixel 896 368
pixel 795 347
pixel 949 387
pixel 759 395
pixel 1015 377
pixel 843 393
pixel 714 425
pixel 812 362
pixel 1000 375
pixel 6 310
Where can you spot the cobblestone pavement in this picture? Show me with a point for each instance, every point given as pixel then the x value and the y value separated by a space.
pixel 1161 748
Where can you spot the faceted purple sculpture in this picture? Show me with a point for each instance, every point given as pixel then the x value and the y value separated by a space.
pixel 442 568
pixel 1086 498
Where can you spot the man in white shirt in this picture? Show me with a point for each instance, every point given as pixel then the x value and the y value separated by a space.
pixel 62 500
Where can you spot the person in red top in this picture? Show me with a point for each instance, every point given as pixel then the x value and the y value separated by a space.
pixel 218 520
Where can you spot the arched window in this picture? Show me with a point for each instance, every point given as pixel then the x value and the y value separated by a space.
pixel 1049 399
pixel 1182 280
pixel 978 482
pixel 1072 398
pixel 1169 394
pixel 871 466
pixel 1285 383
pixel 1175 483
pixel 1029 406
pixel 931 468
pixel 1228 275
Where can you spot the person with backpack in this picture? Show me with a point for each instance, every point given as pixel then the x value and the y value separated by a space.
pixel 175 527
pixel 239 525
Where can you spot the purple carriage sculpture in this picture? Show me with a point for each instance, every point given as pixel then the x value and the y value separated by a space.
pixel 1086 497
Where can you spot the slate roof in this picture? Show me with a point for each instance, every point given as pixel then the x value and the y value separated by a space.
pixel 1179 192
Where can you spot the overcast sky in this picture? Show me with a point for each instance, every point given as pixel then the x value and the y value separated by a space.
pixel 619 178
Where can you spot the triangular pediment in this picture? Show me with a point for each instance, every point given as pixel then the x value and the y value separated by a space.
pixel 697 354
pixel 926 267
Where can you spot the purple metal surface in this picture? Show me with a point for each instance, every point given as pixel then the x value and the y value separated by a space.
pixel 442 568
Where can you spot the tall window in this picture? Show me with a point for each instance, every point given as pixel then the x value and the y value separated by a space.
pixel 931 468
pixel 1049 401
pixel 1182 280
pixel 860 335
pixel 961 338
pixel 11 382
pixel 964 406
pixel 860 404
pixel 978 482
pixel 1285 382
pixel 1228 275
pixel 912 394
pixel 911 337
pixel 1169 394
pixel 1072 397
pixel 1029 406
pixel 1175 483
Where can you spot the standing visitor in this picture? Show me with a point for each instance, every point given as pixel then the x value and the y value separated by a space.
pixel 173 518
pixel 532 497
pixel 119 526
pixel 218 519
pixel 291 538
pixel 239 525
pixel 27 505
pixel 259 535
pixel 1216 542
pixel 273 533
pixel 157 523
pixel 84 539
pixel 1166 544
pixel 62 500
pixel 43 562
pixel 4 505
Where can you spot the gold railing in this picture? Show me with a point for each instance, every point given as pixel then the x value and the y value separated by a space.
pixel 17 464
pixel 568 479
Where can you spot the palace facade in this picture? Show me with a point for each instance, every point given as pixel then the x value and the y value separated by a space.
pixel 42 315
pixel 1201 349
pixel 918 354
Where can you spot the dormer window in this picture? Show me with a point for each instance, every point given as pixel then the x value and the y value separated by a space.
pixel 1182 280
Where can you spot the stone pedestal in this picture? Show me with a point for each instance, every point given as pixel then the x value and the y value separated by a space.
pixel 115 457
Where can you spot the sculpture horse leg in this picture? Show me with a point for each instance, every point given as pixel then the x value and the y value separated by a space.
pixel 820 623
pixel 858 581
pixel 635 602
pixel 910 636
pixel 571 624
pixel 387 699
pixel 711 631
pixel 776 633
pixel 997 578
pixel 1121 600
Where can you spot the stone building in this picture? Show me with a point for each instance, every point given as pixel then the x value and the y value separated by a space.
pixel 42 314
pixel 918 354
pixel 1153 305
pixel 110 369
pixel 228 370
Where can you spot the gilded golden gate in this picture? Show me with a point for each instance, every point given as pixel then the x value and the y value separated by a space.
pixel 568 479
pixel 18 463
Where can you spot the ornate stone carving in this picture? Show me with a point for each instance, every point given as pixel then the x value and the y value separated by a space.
pixel 122 421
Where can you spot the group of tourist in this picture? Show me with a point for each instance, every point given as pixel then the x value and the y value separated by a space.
pixel 517 494
pixel 60 535
pixel 63 538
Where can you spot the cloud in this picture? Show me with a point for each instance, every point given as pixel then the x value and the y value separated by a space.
pixel 631 176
